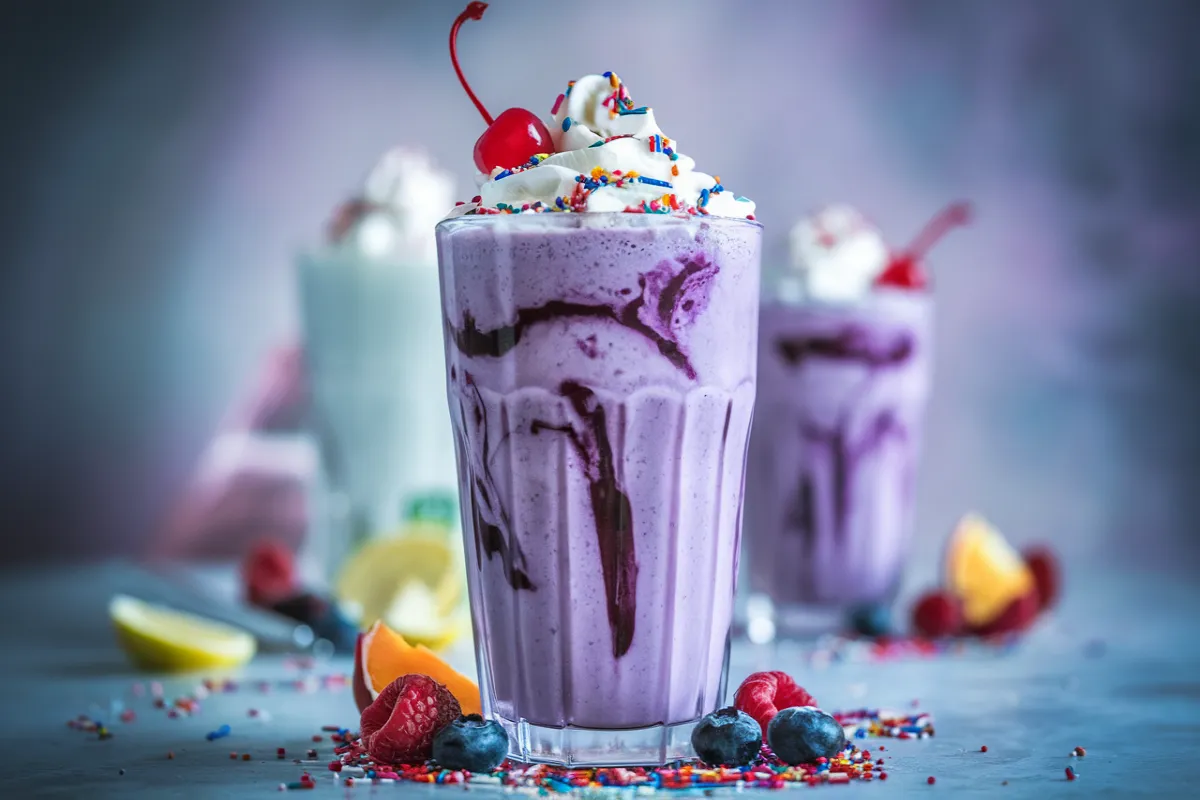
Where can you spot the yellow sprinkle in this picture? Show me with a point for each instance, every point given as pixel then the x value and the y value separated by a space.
pixel 633 173
pixel 597 172
pixel 716 178
pixel 614 80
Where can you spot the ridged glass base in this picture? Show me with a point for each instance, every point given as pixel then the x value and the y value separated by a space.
pixel 588 747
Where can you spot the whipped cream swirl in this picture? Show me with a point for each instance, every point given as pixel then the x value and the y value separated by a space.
pixel 836 255
pixel 402 199
pixel 611 156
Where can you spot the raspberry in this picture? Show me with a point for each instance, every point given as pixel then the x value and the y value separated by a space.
pixel 937 614
pixel 1016 617
pixel 1044 566
pixel 764 694
pixel 398 727
pixel 268 572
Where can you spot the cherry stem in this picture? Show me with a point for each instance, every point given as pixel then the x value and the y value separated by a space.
pixel 950 217
pixel 473 11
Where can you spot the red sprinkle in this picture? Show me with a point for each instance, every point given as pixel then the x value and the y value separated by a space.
pixel 883 776
pixel 1080 752
pixel 233 756
pixel 1070 774
pixel 335 766
pixel 931 780
pixel 245 756
pixel 316 738
pixel 983 749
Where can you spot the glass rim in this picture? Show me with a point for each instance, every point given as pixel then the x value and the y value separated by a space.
pixel 580 219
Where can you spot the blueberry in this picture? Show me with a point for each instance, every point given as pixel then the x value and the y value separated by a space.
pixel 471 743
pixel 873 620
pixel 802 734
pixel 322 615
pixel 728 737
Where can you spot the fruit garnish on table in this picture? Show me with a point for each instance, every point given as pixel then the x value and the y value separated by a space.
pixel 989 588
pixel 729 737
pixel 399 725
pixel 383 655
pixel 415 581
pixel 471 743
pixel 161 638
pixel 984 571
pixel 763 694
pixel 801 735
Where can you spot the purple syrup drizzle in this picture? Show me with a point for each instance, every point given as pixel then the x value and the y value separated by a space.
pixel 668 300
pixel 853 344
pixel 491 538
pixel 611 509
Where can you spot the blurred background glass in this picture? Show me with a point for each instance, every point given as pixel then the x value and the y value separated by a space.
pixel 164 162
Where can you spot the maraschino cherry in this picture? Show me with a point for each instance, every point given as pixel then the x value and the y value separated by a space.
pixel 904 270
pixel 516 135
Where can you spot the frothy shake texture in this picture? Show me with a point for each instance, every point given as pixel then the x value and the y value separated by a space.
pixel 601 370
pixel 844 371
pixel 372 329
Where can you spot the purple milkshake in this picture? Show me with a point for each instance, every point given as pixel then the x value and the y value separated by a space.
pixel 844 374
pixel 601 381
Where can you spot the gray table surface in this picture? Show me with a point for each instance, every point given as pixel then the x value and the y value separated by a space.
pixel 1113 670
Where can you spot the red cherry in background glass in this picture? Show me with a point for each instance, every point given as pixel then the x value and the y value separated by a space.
pixel 516 135
pixel 905 271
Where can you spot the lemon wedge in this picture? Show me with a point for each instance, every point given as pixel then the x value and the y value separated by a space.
pixel 415 581
pixel 984 570
pixel 161 638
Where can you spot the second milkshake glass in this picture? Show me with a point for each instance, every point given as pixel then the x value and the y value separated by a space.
pixel 601 373
pixel 833 458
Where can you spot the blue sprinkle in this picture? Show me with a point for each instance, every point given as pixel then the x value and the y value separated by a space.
pixel 624 112
pixel 502 175
pixel 674 156
pixel 566 124
pixel 608 74
pixel 219 733
pixel 653 181
pixel 668 151
pixel 703 198
pixel 597 144
pixel 558 202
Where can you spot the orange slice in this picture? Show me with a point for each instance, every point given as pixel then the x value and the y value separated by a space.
pixel 984 571
pixel 383 655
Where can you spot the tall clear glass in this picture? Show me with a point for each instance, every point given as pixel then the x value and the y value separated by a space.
pixel 372 334
pixel 601 372
pixel 833 458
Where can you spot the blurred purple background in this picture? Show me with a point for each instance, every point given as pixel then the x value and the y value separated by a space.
pixel 164 161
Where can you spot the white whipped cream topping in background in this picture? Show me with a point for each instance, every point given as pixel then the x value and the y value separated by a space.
pixel 591 121
pixel 837 254
pixel 404 196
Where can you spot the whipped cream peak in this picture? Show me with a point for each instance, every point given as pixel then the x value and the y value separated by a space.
pixel 837 254
pixel 402 199
pixel 611 156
